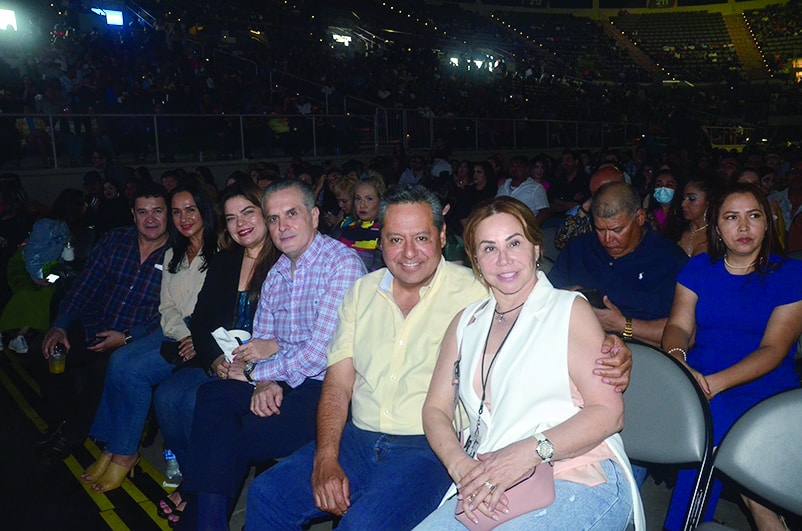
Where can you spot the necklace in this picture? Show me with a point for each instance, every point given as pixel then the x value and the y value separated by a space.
pixel 249 255
pixel 737 267
pixel 502 314
pixel 690 239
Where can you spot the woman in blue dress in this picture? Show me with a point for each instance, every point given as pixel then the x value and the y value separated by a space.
pixel 736 317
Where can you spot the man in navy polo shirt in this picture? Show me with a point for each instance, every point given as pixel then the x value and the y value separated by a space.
pixel 634 268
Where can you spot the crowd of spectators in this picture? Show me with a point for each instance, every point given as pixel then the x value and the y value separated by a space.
pixel 214 59
pixel 665 187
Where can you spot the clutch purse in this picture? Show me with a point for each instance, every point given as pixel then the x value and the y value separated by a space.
pixel 531 493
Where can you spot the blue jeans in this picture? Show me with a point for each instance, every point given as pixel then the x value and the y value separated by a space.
pixel 395 481
pixel 604 507
pixel 175 406
pixel 132 372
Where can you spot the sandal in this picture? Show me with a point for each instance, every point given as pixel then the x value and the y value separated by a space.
pixel 167 506
pixel 114 476
pixel 96 469
pixel 174 518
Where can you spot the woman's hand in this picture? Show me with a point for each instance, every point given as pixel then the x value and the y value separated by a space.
pixel 255 349
pixel 220 367
pixel 186 349
pixel 702 381
pixel 463 469
pixel 485 485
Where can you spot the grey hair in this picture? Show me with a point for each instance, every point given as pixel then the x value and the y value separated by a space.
pixel 614 198
pixel 307 194
pixel 410 194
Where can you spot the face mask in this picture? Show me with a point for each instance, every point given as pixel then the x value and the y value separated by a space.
pixel 663 195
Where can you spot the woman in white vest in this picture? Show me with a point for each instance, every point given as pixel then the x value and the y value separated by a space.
pixel 522 362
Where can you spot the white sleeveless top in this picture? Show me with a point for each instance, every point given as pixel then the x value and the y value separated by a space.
pixel 530 387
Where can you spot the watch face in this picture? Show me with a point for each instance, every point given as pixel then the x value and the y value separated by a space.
pixel 545 449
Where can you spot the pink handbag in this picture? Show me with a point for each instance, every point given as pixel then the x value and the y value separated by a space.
pixel 534 492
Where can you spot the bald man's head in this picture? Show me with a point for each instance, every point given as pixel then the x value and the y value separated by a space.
pixel 604 175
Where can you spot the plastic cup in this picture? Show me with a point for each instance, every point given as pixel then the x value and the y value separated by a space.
pixel 57 362
pixel 241 335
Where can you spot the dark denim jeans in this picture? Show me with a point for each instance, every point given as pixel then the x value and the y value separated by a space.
pixel 395 481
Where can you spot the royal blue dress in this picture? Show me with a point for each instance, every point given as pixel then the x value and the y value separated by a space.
pixel 731 317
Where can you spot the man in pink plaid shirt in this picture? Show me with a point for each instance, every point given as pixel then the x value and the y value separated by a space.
pixel 265 408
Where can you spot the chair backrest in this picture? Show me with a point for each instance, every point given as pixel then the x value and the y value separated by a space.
pixel 667 419
pixel 762 451
pixel 548 249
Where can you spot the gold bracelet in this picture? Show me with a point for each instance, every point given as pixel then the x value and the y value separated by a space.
pixel 627 335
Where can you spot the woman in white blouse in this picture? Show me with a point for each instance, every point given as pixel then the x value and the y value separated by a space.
pixel 135 368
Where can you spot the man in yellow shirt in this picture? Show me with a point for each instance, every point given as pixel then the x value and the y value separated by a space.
pixel 376 468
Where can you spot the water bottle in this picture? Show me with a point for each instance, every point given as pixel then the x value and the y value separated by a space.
pixel 173 473
pixel 68 253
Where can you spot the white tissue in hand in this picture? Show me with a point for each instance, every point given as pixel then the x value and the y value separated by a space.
pixel 226 342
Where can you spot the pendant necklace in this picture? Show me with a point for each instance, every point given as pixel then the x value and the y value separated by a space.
pixel 690 239
pixel 501 315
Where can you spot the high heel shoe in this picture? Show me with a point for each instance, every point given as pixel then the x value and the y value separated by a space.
pixel 96 469
pixel 114 476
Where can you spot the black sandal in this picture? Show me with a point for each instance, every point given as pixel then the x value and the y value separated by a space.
pixel 174 518
pixel 167 507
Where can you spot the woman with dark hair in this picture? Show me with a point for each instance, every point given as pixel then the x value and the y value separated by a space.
pixel 135 368
pixel 228 298
pixel 29 306
pixel 734 324
pixel 697 197
pixel 664 203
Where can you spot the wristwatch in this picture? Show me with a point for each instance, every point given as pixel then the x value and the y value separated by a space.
pixel 248 370
pixel 128 337
pixel 544 450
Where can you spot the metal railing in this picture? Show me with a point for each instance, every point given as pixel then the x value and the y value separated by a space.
pixel 66 140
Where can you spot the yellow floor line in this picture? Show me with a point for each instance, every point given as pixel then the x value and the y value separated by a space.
pixel 23 404
pixel 113 520
pixel 101 500
pixel 33 384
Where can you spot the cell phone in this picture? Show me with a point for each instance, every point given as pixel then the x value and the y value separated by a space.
pixel 94 341
pixel 594 297
pixel 52 278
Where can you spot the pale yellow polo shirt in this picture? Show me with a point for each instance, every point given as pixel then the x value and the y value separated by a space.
pixel 394 357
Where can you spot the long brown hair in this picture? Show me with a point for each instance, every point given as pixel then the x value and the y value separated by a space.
pixel 269 254
pixel 770 244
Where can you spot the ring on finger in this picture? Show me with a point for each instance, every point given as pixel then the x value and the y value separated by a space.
pixel 490 486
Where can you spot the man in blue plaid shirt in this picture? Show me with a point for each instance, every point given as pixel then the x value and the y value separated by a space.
pixel 114 301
